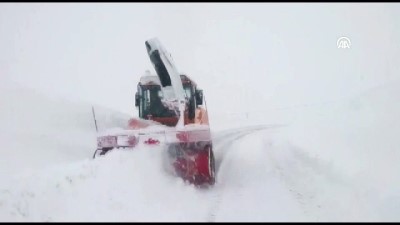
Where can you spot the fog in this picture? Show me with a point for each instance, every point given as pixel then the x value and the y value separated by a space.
pixel 246 56
pixel 302 130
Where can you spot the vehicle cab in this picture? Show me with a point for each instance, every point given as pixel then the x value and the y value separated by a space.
pixel 148 100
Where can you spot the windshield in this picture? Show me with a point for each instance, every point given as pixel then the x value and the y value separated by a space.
pixel 188 91
pixel 151 103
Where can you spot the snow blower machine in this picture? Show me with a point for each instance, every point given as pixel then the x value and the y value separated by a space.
pixel 172 114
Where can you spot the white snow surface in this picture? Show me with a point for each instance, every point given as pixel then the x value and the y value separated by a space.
pixel 336 162
pixel 302 130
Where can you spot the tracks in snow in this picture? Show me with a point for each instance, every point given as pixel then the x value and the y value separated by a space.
pixel 260 179
pixel 223 142
pixel 225 139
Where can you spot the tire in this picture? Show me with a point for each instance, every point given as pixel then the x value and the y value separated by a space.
pixel 211 164
pixel 192 108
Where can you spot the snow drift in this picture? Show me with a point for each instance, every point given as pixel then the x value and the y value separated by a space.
pixel 39 130
pixel 335 162
pixel 357 138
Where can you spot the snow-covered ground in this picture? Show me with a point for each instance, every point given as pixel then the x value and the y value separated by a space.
pixel 336 162
pixel 38 130
pixel 302 130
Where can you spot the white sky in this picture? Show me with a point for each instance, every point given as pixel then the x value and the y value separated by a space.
pixel 245 56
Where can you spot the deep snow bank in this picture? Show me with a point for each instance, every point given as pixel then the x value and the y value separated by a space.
pixel 124 186
pixel 358 138
pixel 38 130
pixel 336 162
pixel 48 174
